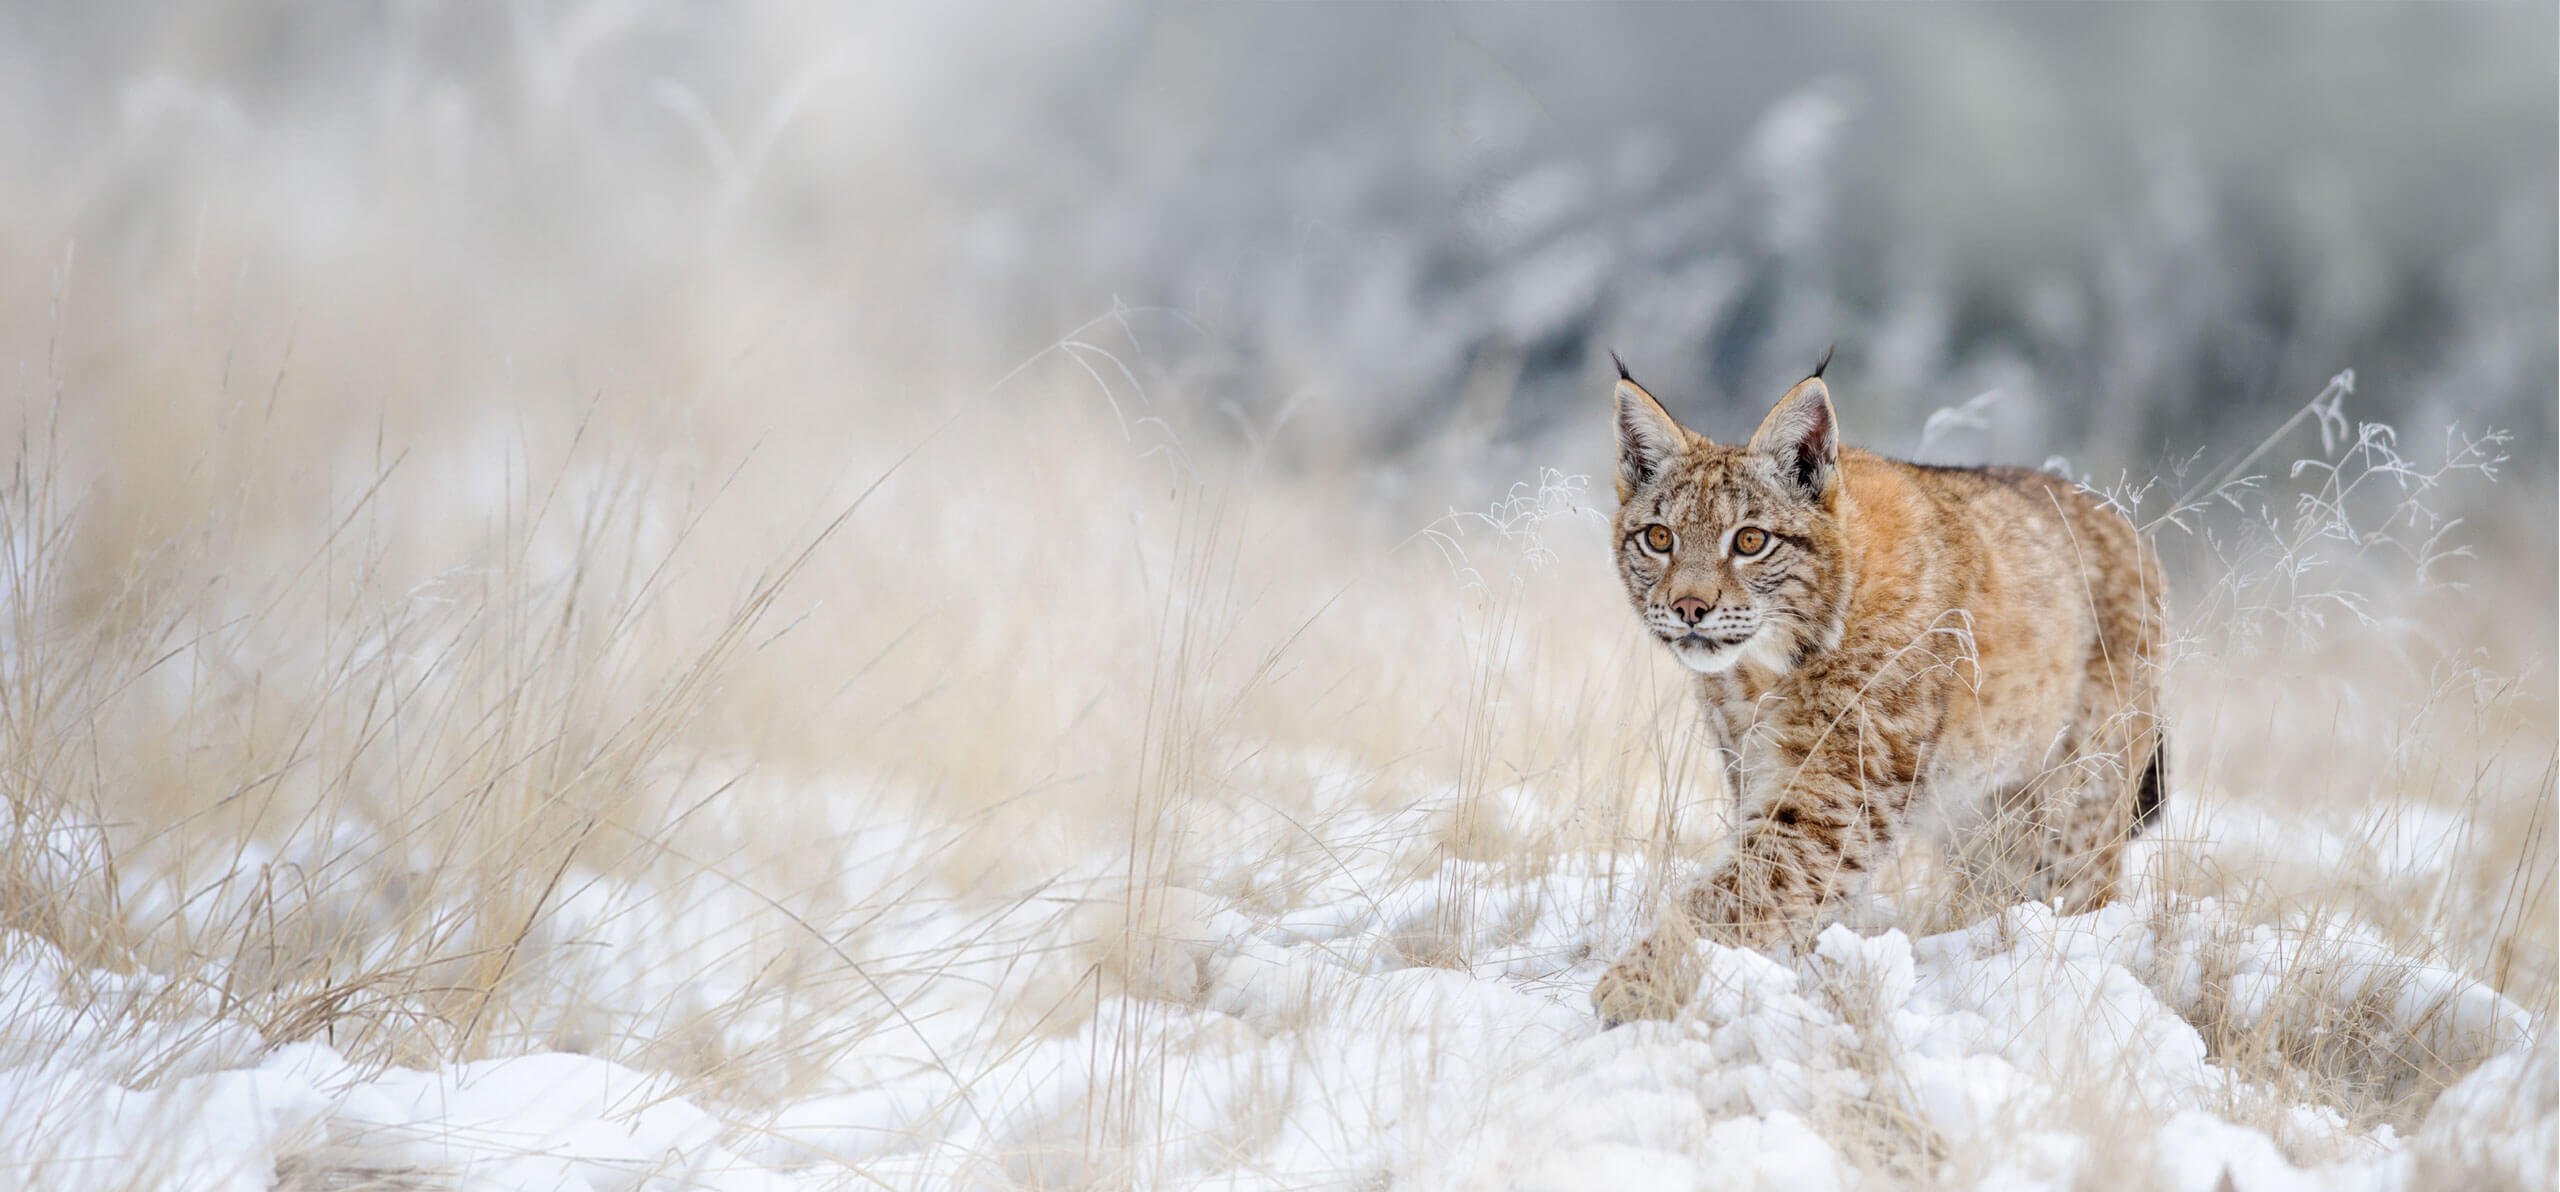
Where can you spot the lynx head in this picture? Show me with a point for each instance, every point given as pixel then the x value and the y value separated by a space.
pixel 1733 553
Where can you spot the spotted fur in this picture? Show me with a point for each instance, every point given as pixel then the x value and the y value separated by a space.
pixel 1978 644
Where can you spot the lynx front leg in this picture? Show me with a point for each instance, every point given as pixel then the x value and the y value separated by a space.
pixel 1653 978
pixel 1795 855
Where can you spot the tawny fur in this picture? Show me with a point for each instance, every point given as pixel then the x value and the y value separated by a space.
pixel 1979 643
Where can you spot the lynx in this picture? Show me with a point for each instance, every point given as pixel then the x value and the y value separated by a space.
pixel 1880 645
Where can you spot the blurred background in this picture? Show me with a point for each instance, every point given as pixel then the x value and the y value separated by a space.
pixel 2126 234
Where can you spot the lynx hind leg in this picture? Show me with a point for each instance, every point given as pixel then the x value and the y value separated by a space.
pixel 2001 857
pixel 2085 861
pixel 2115 788
pixel 2060 836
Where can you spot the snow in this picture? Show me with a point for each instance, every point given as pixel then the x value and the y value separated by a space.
pixel 1269 1031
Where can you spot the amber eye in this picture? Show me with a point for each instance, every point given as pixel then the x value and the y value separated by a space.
pixel 1658 539
pixel 1749 539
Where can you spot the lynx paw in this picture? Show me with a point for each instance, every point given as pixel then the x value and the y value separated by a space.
pixel 1646 983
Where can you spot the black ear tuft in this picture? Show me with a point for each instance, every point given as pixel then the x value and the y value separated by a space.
pixel 1817 369
pixel 1817 452
pixel 1801 437
pixel 1649 438
pixel 1623 374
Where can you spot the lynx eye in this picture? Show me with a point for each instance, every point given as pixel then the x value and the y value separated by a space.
pixel 1750 540
pixel 1658 539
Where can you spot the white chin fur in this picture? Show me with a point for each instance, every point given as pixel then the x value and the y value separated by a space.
pixel 1707 658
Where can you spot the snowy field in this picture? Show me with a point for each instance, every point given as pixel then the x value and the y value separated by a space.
pixel 1346 1027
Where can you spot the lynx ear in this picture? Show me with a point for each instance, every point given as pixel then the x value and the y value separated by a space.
pixel 1648 438
pixel 1803 437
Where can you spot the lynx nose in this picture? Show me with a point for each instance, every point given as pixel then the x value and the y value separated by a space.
pixel 1690 610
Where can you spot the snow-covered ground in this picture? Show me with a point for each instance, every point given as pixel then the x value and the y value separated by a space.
pixel 1341 1027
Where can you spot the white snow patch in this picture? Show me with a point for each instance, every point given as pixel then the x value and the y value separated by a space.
pixel 1432 1032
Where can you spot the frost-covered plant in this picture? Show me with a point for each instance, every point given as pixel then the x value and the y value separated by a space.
pixel 2361 525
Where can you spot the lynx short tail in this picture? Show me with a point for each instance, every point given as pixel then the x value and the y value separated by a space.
pixel 2153 794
